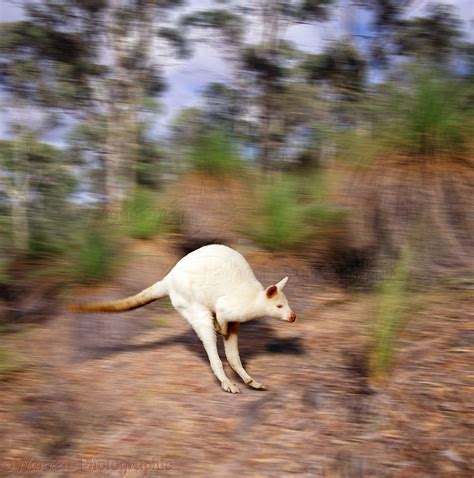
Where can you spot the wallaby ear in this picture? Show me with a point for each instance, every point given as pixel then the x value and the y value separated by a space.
pixel 282 283
pixel 271 291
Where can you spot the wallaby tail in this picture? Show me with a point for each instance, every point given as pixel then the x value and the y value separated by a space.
pixel 152 293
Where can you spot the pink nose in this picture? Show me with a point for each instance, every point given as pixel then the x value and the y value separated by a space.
pixel 292 317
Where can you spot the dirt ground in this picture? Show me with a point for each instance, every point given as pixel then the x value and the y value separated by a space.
pixel 133 395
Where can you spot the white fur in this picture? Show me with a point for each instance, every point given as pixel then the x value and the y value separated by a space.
pixel 214 288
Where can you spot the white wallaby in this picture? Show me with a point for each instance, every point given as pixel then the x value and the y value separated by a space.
pixel 214 289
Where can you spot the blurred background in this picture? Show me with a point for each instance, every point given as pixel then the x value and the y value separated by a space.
pixel 327 140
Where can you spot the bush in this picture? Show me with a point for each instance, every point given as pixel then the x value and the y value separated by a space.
pixel 429 118
pixel 143 218
pixel 292 210
pixel 281 221
pixel 214 153
pixel 94 253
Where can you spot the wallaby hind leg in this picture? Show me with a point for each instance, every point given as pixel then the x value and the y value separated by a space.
pixel 231 347
pixel 201 321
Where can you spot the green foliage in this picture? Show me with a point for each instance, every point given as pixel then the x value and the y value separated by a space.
pixel 281 223
pixel 429 118
pixel 177 40
pixel 94 249
pixel 94 252
pixel 433 37
pixel 220 20
pixel 340 65
pixel 26 46
pixel 148 159
pixel 311 10
pixel 222 106
pixel 50 217
pixel 266 67
pixel 323 215
pixel 214 153
pixel 291 211
pixel 40 171
pixel 144 218
pixel 426 115
pixel 391 305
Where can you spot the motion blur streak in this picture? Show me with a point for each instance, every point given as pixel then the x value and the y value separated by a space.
pixel 328 141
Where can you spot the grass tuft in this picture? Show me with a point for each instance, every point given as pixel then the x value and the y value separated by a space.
pixel 430 117
pixel 94 253
pixel 391 305
pixel 144 218
pixel 290 211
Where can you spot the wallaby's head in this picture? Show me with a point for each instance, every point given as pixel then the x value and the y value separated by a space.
pixel 276 304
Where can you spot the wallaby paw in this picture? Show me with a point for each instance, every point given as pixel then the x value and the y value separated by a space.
pixel 220 329
pixel 230 387
pixel 256 385
pixel 217 327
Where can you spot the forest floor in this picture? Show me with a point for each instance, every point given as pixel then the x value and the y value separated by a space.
pixel 133 395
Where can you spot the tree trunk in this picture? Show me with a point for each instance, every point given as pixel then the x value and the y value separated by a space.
pixel 113 186
pixel 19 195
pixel 270 45
pixel 124 94
pixel 116 155
pixel 20 226
pixel 265 147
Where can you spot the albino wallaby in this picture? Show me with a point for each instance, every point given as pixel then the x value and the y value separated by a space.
pixel 214 289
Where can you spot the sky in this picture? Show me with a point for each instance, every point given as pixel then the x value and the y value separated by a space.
pixel 186 79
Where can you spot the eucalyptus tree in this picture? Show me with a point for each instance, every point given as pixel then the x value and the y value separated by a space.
pixel 96 60
pixel 433 38
pixel 35 182
pixel 253 39
pixel 340 73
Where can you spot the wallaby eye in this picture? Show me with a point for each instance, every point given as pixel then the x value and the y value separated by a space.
pixel 279 306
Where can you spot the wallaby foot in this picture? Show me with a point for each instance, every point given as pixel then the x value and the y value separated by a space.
pixel 254 384
pixel 228 386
